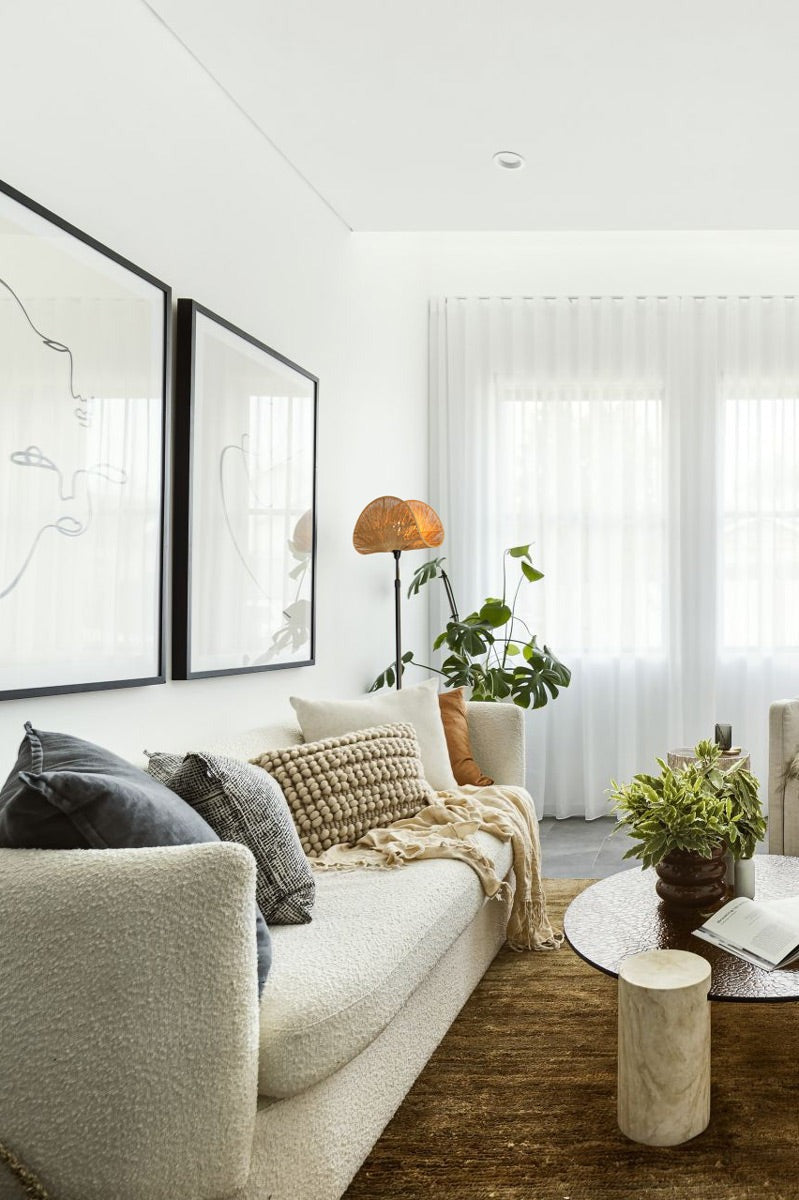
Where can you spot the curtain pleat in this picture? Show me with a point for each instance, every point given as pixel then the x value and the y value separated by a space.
pixel 647 447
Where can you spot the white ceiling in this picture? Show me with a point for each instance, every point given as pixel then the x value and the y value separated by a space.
pixel 631 114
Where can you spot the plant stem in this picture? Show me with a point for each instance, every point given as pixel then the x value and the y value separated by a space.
pixel 526 627
pixel 512 619
pixel 425 667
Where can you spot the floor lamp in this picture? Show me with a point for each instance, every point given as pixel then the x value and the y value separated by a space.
pixel 388 526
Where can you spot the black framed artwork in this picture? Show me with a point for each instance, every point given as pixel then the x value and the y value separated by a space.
pixel 84 371
pixel 245 503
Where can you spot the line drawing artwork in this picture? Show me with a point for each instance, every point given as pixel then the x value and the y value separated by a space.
pixel 83 410
pixel 241 448
pixel 33 457
pixel 296 616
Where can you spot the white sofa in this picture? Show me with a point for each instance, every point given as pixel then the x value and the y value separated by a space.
pixel 134 1061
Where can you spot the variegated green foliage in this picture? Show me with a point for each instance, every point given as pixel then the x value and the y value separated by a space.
pixel 696 807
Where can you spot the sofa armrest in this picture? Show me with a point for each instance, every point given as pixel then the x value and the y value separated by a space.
pixel 783 792
pixel 497 736
pixel 129 1020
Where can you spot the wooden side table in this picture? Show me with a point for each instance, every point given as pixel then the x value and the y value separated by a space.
pixel 684 755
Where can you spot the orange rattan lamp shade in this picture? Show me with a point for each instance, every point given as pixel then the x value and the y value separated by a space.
pixel 389 523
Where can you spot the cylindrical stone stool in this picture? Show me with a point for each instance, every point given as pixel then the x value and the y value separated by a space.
pixel 664 1047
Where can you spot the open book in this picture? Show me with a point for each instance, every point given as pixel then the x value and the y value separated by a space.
pixel 764 933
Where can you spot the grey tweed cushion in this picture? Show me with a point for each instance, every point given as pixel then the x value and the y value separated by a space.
pixel 340 788
pixel 243 804
pixel 162 766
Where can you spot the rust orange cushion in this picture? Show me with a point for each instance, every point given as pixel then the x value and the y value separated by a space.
pixel 456 729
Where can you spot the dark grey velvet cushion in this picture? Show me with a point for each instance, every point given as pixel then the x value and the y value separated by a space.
pixel 65 793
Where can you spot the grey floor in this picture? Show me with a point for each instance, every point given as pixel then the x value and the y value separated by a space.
pixel 578 849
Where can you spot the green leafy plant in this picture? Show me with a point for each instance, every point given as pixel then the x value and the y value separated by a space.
pixel 491 651
pixel 694 808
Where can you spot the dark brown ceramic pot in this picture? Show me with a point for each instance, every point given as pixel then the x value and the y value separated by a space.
pixel 686 880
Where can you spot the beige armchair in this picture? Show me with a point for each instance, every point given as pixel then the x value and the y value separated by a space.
pixel 783 784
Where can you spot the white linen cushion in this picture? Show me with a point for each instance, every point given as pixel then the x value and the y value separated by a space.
pixel 417 706
pixel 337 983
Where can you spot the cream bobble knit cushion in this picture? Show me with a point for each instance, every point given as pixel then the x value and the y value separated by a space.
pixel 340 788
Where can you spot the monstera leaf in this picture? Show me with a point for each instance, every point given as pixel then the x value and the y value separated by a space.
pixel 485 647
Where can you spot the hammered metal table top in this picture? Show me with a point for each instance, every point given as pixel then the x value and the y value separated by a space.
pixel 623 915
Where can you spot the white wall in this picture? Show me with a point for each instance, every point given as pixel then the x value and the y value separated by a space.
pixel 112 125
pixel 600 263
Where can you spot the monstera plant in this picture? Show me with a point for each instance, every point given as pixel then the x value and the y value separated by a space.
pixel 492 650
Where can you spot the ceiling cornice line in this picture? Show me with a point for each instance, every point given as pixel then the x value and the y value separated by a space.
pixel 247 116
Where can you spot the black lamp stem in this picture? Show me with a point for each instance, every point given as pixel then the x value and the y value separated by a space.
pixel 450 597
pixel 397 621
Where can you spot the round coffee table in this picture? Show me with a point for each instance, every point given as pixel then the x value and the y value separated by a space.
pixel 623 915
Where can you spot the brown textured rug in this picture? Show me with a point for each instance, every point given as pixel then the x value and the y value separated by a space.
pixel 519 1100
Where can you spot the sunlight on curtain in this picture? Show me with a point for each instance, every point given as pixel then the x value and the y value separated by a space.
pixel 647 446
pixel 760 523
pixel 606 445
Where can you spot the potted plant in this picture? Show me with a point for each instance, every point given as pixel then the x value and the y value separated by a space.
pixel 492 652
pixel 685 820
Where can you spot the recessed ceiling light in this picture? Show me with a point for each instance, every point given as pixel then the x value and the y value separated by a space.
pixel 509 160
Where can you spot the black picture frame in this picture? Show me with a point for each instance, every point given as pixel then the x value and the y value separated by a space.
pixel 95 333
pixel 203 459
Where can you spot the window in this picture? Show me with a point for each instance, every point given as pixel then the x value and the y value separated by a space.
pixel 586 473
pixel 759 543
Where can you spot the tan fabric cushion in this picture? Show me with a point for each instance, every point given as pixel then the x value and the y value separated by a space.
pixel 340 788
pixel 456 730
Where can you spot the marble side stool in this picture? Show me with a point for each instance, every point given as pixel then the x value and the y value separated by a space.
pixel 664 1047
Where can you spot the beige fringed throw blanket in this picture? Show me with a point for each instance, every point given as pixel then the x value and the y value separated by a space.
pixel 445 830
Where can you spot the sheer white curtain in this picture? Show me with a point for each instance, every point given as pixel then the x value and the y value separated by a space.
pixel 647 448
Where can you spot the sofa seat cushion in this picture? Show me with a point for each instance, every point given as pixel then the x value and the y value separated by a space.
pixel 337 983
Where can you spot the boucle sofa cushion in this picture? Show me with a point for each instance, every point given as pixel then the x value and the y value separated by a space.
pixel 416 706
pixel 338 982
pixel 68 794
pixel 244 804
pixel 340 788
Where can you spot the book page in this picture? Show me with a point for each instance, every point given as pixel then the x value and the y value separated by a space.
pixel 743 923
pixel 786 910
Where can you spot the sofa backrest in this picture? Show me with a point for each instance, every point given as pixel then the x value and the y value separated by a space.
pixel 496 732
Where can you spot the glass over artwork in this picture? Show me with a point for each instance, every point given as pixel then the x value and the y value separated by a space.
pixel 82 401
pixel 250 575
